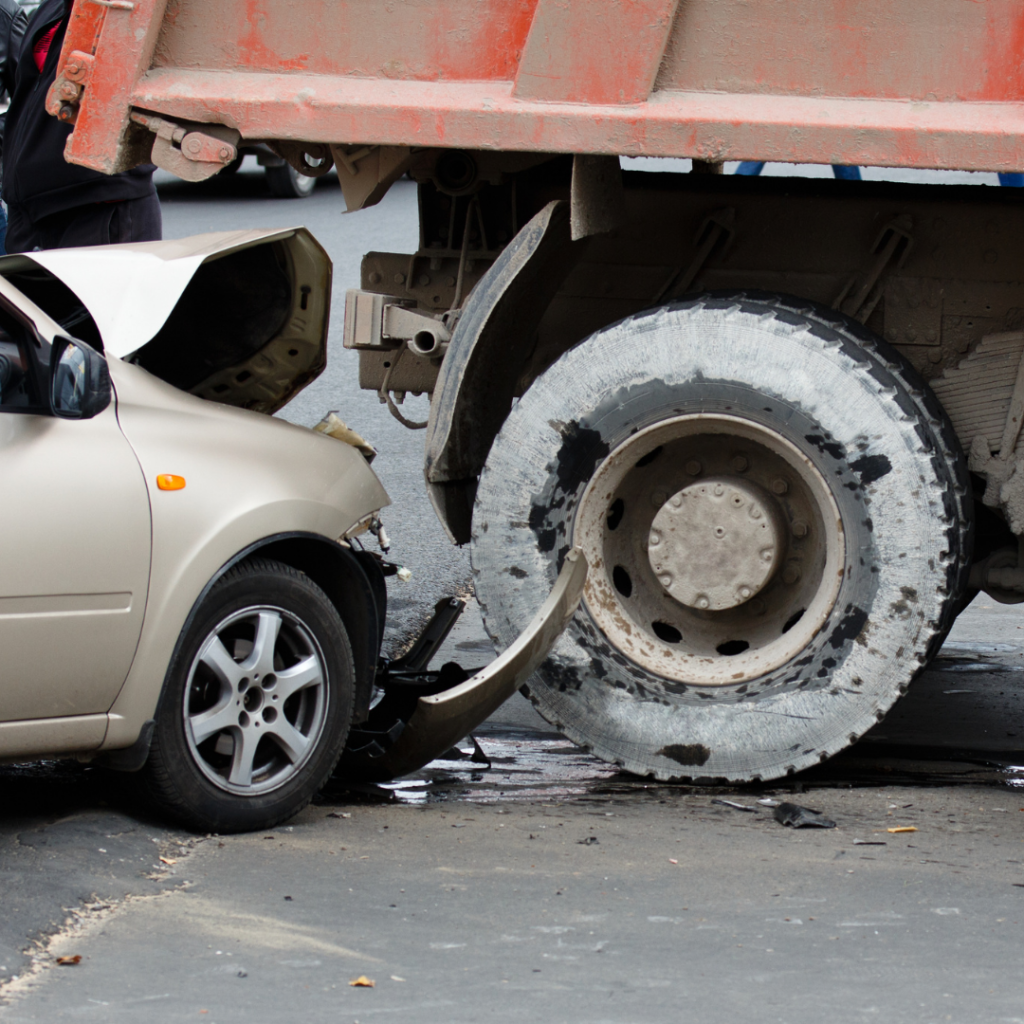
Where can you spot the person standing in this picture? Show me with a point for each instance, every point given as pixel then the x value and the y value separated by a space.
pixel 52 204
pixel 13 21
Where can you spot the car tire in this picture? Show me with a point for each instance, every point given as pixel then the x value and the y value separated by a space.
pixel 257 703
pixel 286 183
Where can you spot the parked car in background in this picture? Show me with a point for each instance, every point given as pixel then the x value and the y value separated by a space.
pixel 283 180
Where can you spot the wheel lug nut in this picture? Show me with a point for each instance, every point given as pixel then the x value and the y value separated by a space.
pixel 676 501
pixel 739 463
pixel 702 602
pixel 655 538
pixel 791 573
pixel 800 528
pixel 779 486
pixel 658 498
pixel 744 592
pixel 665 580
pixel 719 490
pixel 767 555
pixel 693 467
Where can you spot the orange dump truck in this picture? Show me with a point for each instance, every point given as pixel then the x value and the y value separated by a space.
pixel 780 416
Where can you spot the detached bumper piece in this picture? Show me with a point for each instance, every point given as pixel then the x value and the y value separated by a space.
pixel 424 714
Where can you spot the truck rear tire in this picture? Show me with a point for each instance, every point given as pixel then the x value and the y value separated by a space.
pixel 776 516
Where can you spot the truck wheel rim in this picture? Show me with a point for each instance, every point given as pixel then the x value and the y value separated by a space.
pixel 256 700
pixel 716 549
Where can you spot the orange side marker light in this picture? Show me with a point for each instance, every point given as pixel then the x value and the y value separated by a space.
pixel 170 482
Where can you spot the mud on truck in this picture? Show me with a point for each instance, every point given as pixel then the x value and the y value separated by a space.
pixel 781 417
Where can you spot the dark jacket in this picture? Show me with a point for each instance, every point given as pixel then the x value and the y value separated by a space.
pixel 12 29
pixel 36 178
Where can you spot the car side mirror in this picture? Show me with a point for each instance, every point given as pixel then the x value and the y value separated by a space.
pixel 79 380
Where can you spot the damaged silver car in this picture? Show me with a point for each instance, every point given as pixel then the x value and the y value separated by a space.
pixel 182 588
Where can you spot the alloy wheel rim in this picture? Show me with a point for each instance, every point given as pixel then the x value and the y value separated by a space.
pixel 256 700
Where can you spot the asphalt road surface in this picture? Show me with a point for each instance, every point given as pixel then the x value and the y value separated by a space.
pixel 543 884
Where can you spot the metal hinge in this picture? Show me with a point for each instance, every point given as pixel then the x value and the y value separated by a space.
pixel 193 153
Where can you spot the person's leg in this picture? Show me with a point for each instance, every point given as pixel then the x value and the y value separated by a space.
pixel 131 220
pixel 3 231
pixel 137 220
pixel 23 233
pixel 84 225
pixel 1012 180
pixel 845 173
pixel 750 167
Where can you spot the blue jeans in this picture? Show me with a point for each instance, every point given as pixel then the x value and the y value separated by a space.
pixel 755 167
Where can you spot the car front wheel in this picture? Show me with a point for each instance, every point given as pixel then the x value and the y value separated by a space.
pixel 257 703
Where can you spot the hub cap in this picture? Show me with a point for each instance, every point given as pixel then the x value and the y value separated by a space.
pixel 716 549
pixel 714 545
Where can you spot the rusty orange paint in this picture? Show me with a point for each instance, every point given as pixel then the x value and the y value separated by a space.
pixel 1002 70
pixel 255 49
pixel 457 40
pixel 589 53
pixel 921 83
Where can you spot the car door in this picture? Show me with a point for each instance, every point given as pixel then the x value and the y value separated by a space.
pixel 74 543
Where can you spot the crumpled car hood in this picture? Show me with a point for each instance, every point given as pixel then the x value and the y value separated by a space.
pixel 239 317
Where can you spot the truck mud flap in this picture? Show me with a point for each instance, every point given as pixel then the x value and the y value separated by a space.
pixel 405 734
pixel 488 348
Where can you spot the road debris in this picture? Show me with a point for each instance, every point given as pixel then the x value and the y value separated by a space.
pixel 337 428
pixel 869 842
pixel 362 982
pixel 903 828
pixel 338 814
pixel 796 816
pixel 734 805
pixel 69 961
pixel 589 841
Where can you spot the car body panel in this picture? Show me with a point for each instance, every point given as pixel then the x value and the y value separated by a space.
pixel 171 309
pixel 440 720
pixel 263 477
pixel 76 572
pixel 54 594
pixel 249 478
pixel 72 735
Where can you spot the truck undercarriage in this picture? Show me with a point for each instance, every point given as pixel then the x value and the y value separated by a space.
pixel 780 417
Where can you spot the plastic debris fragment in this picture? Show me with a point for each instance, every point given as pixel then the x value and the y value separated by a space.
pixel 796 816
pixel 734 805
pixel 334 427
